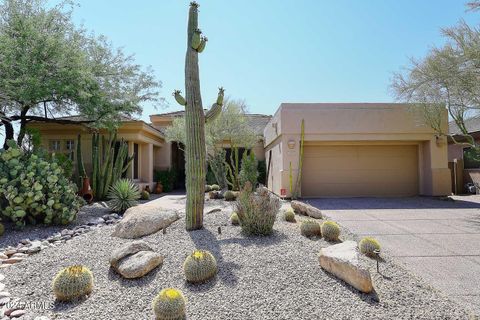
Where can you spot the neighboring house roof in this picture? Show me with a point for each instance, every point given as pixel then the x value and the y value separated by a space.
pixel 122 119
pixel 256 121
pixel 472 125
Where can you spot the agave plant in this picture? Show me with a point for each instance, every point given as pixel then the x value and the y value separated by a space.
pixel 123 195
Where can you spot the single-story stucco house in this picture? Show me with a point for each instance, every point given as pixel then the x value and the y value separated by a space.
pixel 351 149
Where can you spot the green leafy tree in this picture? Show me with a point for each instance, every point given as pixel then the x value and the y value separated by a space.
pixel 51 68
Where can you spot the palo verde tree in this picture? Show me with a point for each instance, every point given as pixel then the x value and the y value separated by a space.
pixel 51 68
pixel 195 149
pixel 446 80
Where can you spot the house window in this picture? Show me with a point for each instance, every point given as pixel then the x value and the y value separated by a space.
pixel 70 149
pixel 55 145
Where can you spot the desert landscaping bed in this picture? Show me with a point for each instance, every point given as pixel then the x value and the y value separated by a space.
pixel 276 277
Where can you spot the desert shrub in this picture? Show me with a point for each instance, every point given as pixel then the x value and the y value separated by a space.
pixel 249 171
pixel 123 194
pixel 234 219
pixel 73 283
pixel 167 178
pixel 256 210
pixel 35 190
pixel 310 228
pixel 368 246
pixel 169 304
pixel 215 187
pixel 145 195
pixel 289 215
pixel 229 196
pixel 330 230
pixel 200 266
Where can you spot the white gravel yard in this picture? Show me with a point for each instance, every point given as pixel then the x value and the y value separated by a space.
pixel 275 277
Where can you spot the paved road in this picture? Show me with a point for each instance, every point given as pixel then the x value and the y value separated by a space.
pixel 438 240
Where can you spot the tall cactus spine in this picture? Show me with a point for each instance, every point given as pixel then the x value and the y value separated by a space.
pixel 80 166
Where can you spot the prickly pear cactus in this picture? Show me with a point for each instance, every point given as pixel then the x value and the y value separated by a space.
pixel 368 246
pixel 169 304
pixel 330 230
pixel 73 283
pixel 35 189
pixel 310 228
pixel 200 266
pixel 195 149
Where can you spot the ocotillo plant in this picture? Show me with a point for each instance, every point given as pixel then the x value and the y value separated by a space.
pixel 108 164
pixel 195 149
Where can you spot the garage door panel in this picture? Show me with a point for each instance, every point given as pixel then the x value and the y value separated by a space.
pixel 365 170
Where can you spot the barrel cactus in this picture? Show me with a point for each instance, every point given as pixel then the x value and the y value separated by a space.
pixel 73 283
pixel 195 118
pixel 215 187
pixel 200 266
pixel 234 219
pixel 229 195
pixel 330 230
pixel 290 215
pixel 369 246
pixel 310 228
pixel 34 189
pixel 169 304
pixel 208 188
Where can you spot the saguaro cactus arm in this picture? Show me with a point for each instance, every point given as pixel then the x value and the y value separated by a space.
pixel 216 108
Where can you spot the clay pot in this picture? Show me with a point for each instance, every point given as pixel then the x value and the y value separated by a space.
pixel 158 188
pixel 86 191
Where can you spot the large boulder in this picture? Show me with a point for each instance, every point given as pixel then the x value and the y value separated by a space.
pixel 343 261
pixel 306 209
pixel 134 260
pixel 143 220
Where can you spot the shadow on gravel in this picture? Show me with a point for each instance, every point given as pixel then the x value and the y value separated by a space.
pixel 59 306
pixel 204 239
pixel 370 298
pixel 133 283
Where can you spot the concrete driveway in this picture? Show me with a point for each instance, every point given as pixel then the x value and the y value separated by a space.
pixel 437 240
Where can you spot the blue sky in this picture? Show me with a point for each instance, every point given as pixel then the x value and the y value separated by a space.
pixel 273 51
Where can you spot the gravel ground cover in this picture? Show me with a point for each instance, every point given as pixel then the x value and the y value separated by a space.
pixel 276 277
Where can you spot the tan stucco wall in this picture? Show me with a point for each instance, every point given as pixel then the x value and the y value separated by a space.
pixel 354 123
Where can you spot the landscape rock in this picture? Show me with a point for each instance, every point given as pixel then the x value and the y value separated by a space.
pixel 135 259
pixel 306 209
pixel 343 261
pixel 127 250
pixel 139 264
pixel 143 220
pixel 17 313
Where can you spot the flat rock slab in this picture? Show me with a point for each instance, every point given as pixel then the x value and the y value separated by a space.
pixel 143 220
pixel 342 260
pixel 306 209
pixel 135 259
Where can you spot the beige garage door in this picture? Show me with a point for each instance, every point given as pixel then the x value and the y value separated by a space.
pixel 360 171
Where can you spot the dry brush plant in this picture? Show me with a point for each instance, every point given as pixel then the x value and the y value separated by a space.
pixel 256 211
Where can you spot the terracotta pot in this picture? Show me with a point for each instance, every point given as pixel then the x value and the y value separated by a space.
pixel 86 191
pixel 158 188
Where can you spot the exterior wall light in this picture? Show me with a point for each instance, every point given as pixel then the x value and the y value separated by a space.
pixel 291 144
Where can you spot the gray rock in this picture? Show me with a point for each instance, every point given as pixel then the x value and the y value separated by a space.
pixel 342 260
pixel 139 264
pixel 306 209
pixel 127 250
pixel 143 220
pixel 17 313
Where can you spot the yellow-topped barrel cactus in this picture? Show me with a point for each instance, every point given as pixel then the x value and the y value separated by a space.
pixel 289 215
pixel 200 266
pixel 72 283
pixel 330 230
pixel 234 219
pixel 195 118
pixel 169 304
pixel 369 246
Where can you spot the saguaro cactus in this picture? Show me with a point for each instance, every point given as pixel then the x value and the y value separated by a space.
pixel 195 149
